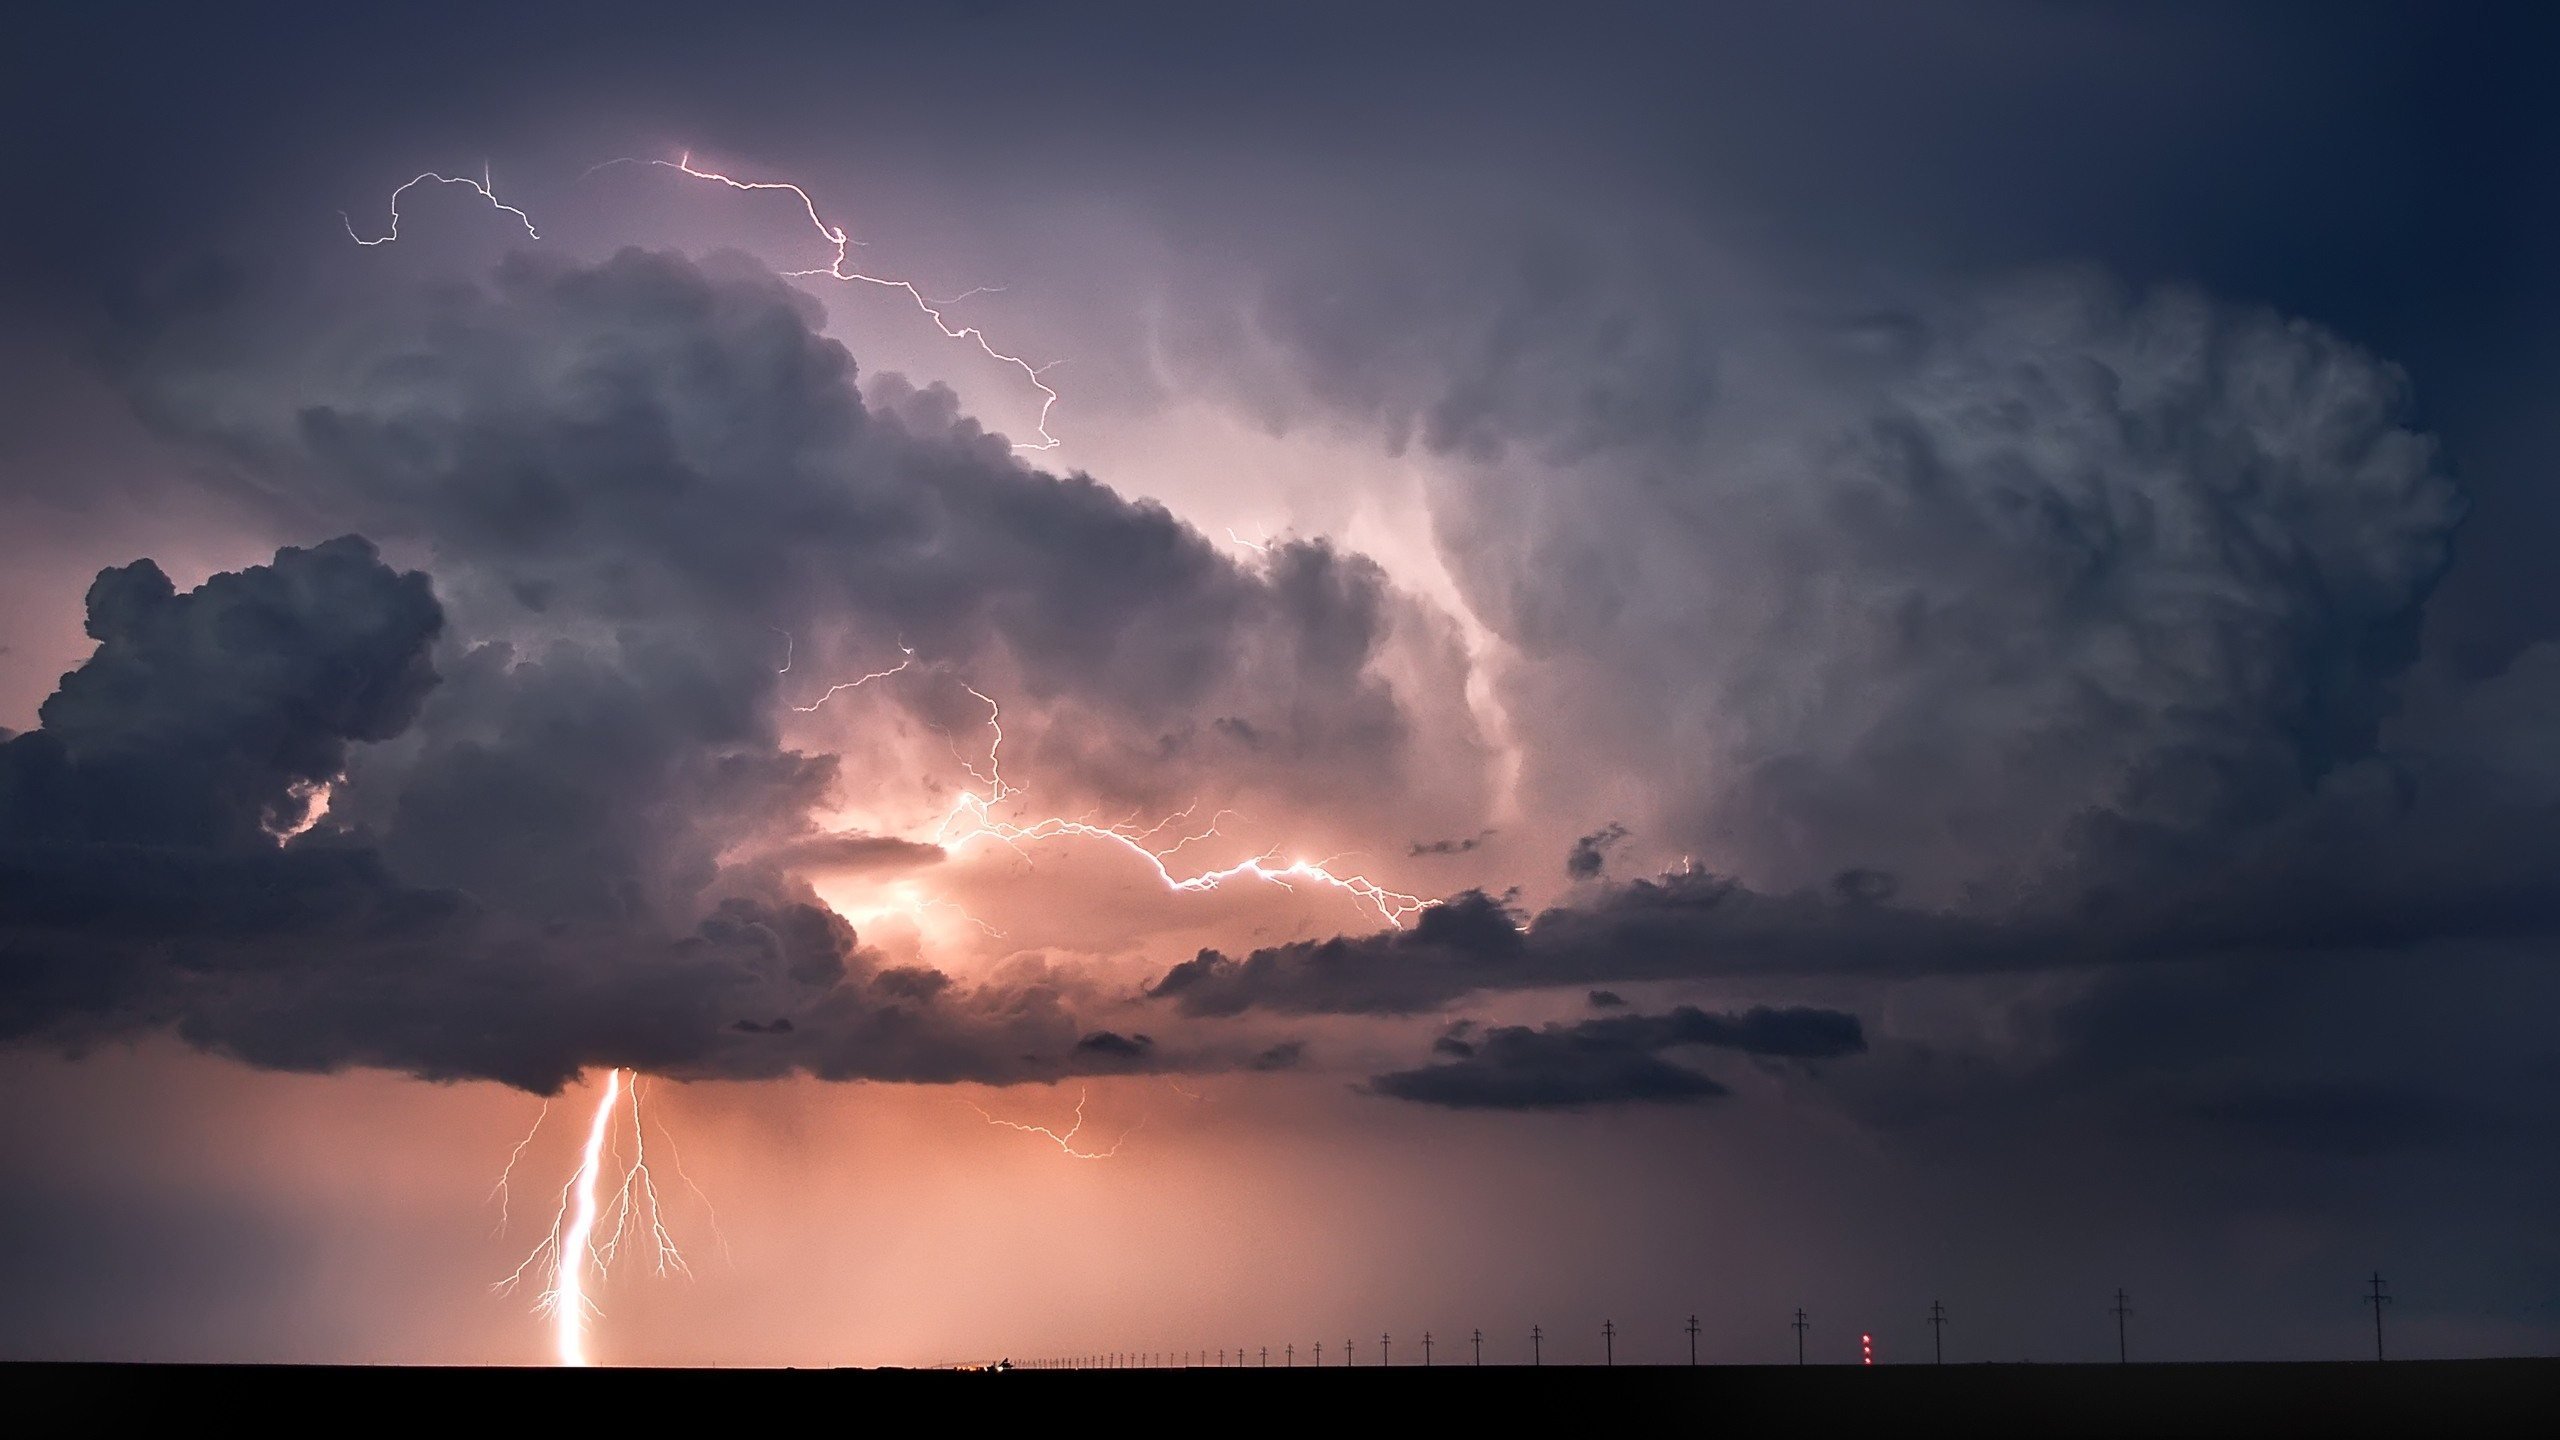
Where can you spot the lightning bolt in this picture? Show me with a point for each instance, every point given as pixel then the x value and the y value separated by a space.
pixel 1066 1142
pixel 840 267
pixel 506 1177
pixel 834 690
pixel 973 819
pixel 589 1231
pixel 481 186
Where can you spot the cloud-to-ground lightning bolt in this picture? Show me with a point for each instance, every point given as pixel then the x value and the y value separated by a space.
pixel 589 1230
pixel 481 185
pixel 1066 1141
pixel 568 1294
pixel 841 268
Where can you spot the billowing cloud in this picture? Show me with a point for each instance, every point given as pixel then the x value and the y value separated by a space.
pixel 671 453
pixel 1797 589
pixel 542 811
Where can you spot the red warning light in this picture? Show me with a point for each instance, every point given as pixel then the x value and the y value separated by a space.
pixel 1866 1349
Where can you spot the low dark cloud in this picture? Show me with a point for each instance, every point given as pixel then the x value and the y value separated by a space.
pixel 1606 1000
pixel 1590 854
pixel 1614 1060
pixel 1462 845
pixel 2434 841
pixel 853 851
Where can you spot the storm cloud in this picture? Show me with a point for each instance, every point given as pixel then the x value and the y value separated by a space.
pixel 539 813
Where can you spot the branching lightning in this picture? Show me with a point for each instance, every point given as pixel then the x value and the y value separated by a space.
pixel 1065 1141
pixel 974 818
pixel 506 1177
pixel 594 1226
pixel 839 268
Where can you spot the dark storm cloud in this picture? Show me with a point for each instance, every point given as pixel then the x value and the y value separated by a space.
pixel 200 714
pixel 150 881
pixel 578 845
pixel 1461 845
pixel 1614 1060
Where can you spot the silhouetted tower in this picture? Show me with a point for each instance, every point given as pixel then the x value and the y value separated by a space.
pixel 1426 1349
pixel 2377 1299
pixel 1479 1347
pixel 1693 1339
pixel 1289 1357
pixel 1382 1348
pixel 1938 1331
pixel 1348 1358
pixel 1799 1328
pixel 2120 1309
pixel 1608 1342
pixel 1319 1354
pixel 1266 1357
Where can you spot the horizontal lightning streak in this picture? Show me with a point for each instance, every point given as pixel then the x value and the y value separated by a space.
pixel 481 186
pixel 1065 1142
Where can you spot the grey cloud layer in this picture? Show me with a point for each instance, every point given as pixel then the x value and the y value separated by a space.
pixel 1612 1060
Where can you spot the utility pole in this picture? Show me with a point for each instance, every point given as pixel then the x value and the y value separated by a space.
pixel 1537 1346
pixel 1382 1347
pixel 1426 1349
pixel 1266 1357
pixel 1693 1340
pixel 1289 1357
pixel 1609 1342
pixel 1479 1347
pixel 2120 1310
pixel 1319 1354
pixel 1347 1357
pixel 1799 1328
pixel 1938 1330
pixel 2377 1300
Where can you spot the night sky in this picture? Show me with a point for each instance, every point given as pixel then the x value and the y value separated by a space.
pixel 1580 664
